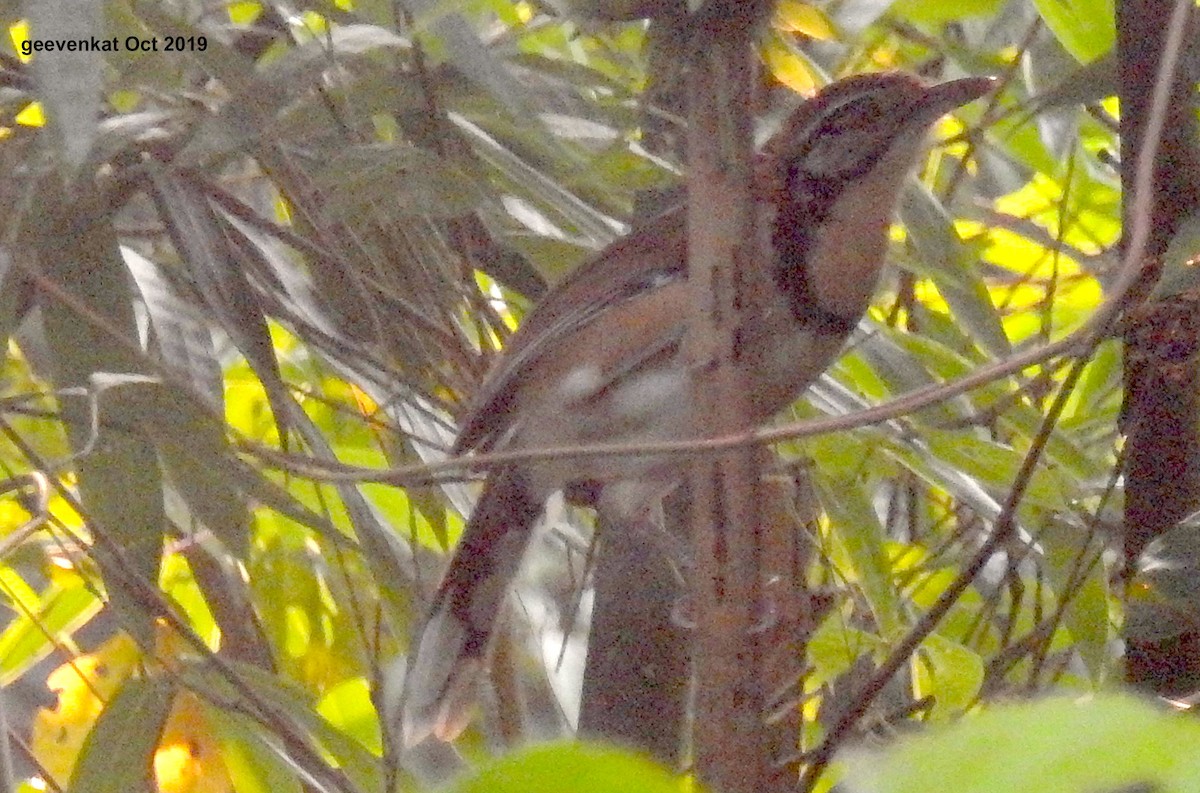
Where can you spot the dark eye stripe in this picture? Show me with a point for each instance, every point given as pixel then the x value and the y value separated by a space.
pixel 862 113
pixel 857 114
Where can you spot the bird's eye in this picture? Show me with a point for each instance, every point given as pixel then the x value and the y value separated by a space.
pixel 866 112
pixel 852 137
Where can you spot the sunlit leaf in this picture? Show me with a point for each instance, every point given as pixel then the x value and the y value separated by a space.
pixel 949 672
pixel 939 12
pixel 788 66
pixel 797 17
pixel 1086 28
pixel 83 686
pixel 348 707
pixel 188 757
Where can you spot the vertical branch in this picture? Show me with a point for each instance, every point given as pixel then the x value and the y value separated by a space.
pixel 728 734
pixel 635 681
pixel 1161 411
pixel 788 504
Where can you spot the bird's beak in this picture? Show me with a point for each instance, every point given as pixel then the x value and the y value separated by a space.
pixel 944 97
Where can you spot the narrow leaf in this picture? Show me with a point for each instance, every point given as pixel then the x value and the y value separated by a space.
pixel 118 755
pixel 120 484
pixel 69 82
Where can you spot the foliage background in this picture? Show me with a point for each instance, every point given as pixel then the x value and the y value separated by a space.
pixel 306 241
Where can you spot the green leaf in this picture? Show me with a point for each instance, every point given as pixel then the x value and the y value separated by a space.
pixel 348 707
pixel 570 768
pixel 949 672
pixel 195 231
pixel 292 704
pixel 933 235
pixel 997 464
pixel 120 747
pixel 939 12
pixel 835 646
pixel 448 31
pixel 406 180
pixel 253 763
pixel 1086 28
pixel 191 442
pixel 90 331
pixel 858 531
pixel 30 637
pixel 1069 549
pixel 1111 743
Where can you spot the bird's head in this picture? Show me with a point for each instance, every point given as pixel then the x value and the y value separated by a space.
pixel 835 171
pixel 856 124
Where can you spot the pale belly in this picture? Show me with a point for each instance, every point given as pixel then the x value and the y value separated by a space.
pixel 653 406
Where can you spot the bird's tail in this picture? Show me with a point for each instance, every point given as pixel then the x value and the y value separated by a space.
pixel 455 639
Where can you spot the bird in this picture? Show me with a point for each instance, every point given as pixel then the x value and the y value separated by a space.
pixel 600 358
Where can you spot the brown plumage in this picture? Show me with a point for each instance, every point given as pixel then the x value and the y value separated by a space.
pixel 598 360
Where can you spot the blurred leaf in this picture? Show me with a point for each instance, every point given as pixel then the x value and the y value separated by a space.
pixel 859 533
pixel 939 12
pixel 1165 591
pixel 60 735
pixel 188 758
pixel 192 446
pixel 569 768
pixel 1077 571
pixel 16 296
pixel 933 235
pixel 119 751
pixel 1181 262
pixel 949 672
pixel 224 286
pixel 406 179
pixel 347 706
pixel 294 704
pixel 996 464
pixel 65 604
pixel 599 229
pixel 251 759
pixel 385 552
pixel 1110 743
pixel 835 646
pixel 120 484
pixel 69 82
pixel 181 330
pixel 304 64
pixel 789 65
pixel 450 32
pixel 1086 28
pixel 1099 386
pixel 796 17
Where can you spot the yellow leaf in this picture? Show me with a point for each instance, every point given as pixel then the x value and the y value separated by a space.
pixel 83 686
pixel 18 33
pixel 188 758
pixel 283 210
pixel 788 67
pixel 796 17
pixel 32 115
pixel 244 12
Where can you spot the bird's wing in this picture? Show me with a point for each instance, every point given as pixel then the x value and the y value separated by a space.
pixel 651 257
